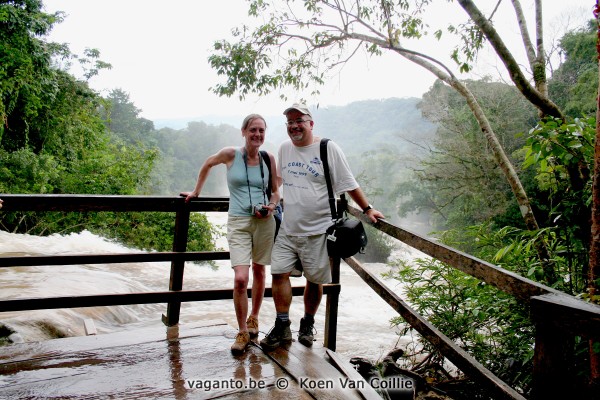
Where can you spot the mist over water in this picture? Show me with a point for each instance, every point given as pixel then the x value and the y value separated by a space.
pixel 363 322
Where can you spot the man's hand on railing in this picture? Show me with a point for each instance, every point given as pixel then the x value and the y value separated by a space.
pixel 374 214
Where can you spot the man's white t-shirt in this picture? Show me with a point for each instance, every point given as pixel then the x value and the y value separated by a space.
pixel 304 189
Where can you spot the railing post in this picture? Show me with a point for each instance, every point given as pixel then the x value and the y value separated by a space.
pixel 331 310
pixel 180 239
pixel 552 377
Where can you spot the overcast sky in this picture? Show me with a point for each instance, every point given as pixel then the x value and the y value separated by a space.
pixel 159 51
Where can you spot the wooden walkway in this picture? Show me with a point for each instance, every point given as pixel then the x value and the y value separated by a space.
pixel 187 362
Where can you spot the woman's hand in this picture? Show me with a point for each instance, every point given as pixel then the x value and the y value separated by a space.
pixel 270 210
pixel 189 196
pixel 260 212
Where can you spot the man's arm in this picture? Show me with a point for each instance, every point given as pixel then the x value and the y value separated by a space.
pixel 361 200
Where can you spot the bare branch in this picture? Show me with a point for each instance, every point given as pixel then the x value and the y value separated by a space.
pixel 529 49
pixel 545 105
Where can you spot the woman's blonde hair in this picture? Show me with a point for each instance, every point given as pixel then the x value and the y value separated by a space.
pixel 251 118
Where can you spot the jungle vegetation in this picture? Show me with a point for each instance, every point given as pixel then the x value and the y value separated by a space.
pixel 501 171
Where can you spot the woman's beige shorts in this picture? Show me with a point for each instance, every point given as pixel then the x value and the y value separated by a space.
pixel 250 239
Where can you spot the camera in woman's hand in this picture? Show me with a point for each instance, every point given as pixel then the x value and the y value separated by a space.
pixel 260 208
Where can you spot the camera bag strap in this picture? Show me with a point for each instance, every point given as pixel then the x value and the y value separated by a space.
pixel 334 213
pixel 265 156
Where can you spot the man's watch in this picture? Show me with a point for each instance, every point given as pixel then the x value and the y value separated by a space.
pixel 367 208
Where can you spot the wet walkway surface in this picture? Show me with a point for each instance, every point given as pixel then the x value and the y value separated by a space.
pixel 187 362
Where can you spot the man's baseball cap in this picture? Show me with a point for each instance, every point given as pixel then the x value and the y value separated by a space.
pixel 298 107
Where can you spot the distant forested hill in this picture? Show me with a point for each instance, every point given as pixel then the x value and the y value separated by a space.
pixel 184 150
pixel 373 124
pixel 381 139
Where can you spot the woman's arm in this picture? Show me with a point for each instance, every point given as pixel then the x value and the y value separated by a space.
pixel 224 156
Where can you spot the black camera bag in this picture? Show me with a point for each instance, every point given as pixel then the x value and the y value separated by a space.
pixel 345 237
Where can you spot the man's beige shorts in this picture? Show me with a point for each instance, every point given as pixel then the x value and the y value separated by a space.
pixel 312 252
pixel 250 239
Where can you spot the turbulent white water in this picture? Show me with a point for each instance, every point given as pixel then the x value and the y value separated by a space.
pixel 363 322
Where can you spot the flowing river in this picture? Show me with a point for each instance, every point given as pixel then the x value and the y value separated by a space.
pixel 364 327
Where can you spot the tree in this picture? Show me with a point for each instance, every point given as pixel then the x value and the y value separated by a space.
pixel 26 75
pixel 311 38
pixel 594 267
pixel 52 136
pixel 122 118
pixel 573 84
pixel 459 177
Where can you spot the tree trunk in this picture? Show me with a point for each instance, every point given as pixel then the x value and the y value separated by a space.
pixel 499 154
pixel 537 98
pixel 594 267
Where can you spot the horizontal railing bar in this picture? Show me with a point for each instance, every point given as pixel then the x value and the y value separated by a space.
pixel 85 202
pixel 459 357
pixel 505 280
pixel 74 259
pixel 137 298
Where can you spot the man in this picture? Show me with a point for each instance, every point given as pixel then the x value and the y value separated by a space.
pixel 306 217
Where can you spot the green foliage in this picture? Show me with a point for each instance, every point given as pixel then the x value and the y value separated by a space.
pixel 27 171
pixel 557 151
pixel 574 84
pixel 117 169
pixel 379 246
pixel 53 139
pixel 155 230
pixel 471 39
pixel 25 76
pixel 490 325
pixel 122 119
pixel 238 62
pixel 91 63
pixel 554 146
pixel 514 249
pixel 300 44
pixel 59 136
pixel 458 179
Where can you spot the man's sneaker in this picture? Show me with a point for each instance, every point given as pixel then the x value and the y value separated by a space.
pixel 297 271
pixel 280 334
pixel 306 333
pixel 241 342
pixel 252 323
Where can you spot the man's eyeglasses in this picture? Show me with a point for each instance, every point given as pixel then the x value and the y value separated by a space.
pixel 296 122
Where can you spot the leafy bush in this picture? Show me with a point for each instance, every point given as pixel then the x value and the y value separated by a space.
pixel 489 324
pixel 379 246
pixel 155 230
pixel 23 171
pixel 152 231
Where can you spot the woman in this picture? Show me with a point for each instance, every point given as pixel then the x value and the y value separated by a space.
pixel 250 223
